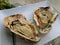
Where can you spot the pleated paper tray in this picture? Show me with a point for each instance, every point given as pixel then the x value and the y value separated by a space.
pixel 7 38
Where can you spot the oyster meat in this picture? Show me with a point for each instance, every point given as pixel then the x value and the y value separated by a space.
pixel 19 25
pixel 44 17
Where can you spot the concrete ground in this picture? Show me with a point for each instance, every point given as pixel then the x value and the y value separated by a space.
pixel 56 3
pixel 54 42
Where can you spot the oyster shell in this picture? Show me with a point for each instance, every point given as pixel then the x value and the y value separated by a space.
pixel 44 17
pixel 19 25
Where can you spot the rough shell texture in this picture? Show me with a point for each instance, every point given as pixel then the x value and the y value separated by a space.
pixel 44 17
pixel 19 25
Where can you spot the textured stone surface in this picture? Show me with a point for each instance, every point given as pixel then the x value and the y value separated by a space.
pixel 54 42
pixel 24 2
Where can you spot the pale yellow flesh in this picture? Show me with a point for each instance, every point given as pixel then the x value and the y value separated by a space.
pixel 45 16
pixel 25 31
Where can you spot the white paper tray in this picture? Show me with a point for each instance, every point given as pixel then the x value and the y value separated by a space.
pixel 27 11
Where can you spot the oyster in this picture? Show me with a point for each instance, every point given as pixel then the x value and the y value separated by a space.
pixel 19 25
pixel 44 17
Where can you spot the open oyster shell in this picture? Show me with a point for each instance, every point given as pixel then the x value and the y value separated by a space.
pixel 44 17
pixel 19 25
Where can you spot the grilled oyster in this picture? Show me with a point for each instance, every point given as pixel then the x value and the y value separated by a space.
pixel 44 17
pixel 19 25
